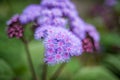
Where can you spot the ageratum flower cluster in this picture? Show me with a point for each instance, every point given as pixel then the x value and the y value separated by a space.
pixel 63 32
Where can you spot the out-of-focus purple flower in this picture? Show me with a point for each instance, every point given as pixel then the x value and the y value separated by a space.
pixel 42 21
pixel 42 32
pixel 88 44
pixel 58 3
pixel 57 22
pixel 14 19
pixel 110 2
pixel 15 28
pixel 91 42
pixel 54 12
pixel 78 27
pixel 92 32
pixel 30 13
pixel 70 5
pixel 52 3
pixel 60 45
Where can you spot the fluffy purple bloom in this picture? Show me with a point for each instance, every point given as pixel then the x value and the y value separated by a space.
pixel 61 22
pixel 52 3
pixel 30 13
pixel 57 22
pixel 88 45
pixel 78 27
pixel 60 45
pixel 58 3
pixel 42 21
pixel 70 5
pixel 42 32
pixel 15 28
pixel 55 12
pixel 14 19
pixel 71 15
pixel 91 30
pixel 91 42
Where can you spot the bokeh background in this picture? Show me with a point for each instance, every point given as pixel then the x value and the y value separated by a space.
pixel 104 65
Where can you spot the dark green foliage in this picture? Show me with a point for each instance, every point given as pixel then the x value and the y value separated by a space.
pixel 6 72
pixel 94 73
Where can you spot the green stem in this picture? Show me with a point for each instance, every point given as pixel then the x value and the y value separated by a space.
pixel 57 73
pixel 44 72
pixel 29 59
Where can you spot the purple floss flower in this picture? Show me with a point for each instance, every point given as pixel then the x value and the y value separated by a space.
pixel 14 19
pixel 44 20
pixel 43 32
pixel 59 22
pixel 46 12
pixel 70 5
pixel 49 17
pixel 49 3
pixel 77 26
pixel 54 3
pixel 92 32
pixel 56 12
pixel 24 19
pixel 60 45
pixel 30 13
pixel 15 28
pixel 74 16
pixel 52 12
pixel 88 44
pixel 67 13
pixel 91 42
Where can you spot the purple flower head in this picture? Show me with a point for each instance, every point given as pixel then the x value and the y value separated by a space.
pixel 15 29
pixel 88 45
pixel 91 42
pixel 42 32
pixel 71 15
pixel 14 19
pixel 55 12
pixel 46 12
pixel 30 13
pixel 70 5
pixel 58 21
pixel 78 27
pixel 60 45
pixel 49 3
pixel 110 2
pixel 91 30
pixel 58 3
pixel 42 21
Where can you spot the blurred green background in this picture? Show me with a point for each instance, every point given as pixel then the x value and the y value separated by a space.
pixel 103 66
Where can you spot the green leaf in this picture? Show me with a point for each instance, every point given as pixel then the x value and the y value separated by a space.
pixel 94 73
pixel 6 72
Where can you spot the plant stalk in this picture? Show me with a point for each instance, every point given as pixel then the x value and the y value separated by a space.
pixel 25 42
pixel 44 72
pixel 57 73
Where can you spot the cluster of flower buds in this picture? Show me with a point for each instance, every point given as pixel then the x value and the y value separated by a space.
pixel 14 29
pixel 63 32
